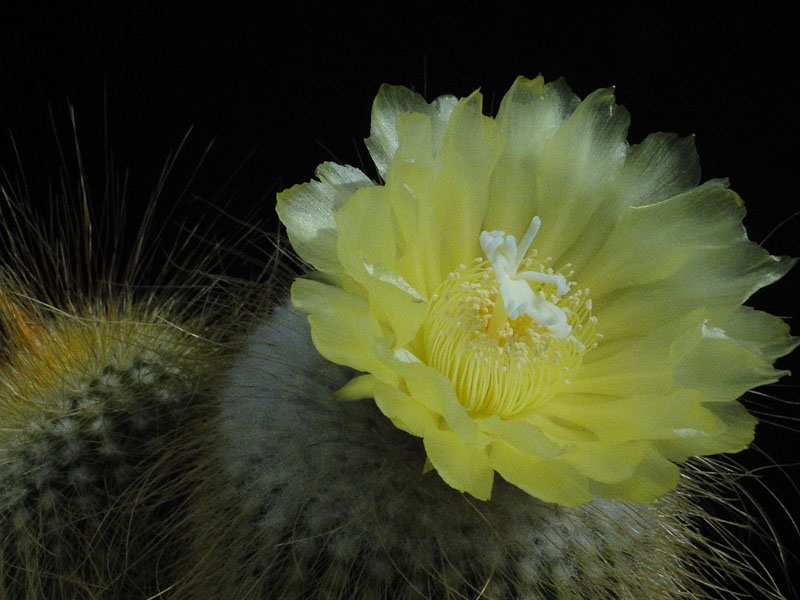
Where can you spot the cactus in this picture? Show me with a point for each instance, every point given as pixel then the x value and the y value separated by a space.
pixel 105 389
pixel 95 454
pixel 313 497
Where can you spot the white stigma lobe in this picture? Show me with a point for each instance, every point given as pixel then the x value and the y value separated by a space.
pixel 518 296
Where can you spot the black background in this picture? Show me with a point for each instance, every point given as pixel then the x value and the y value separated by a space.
pixel 278 90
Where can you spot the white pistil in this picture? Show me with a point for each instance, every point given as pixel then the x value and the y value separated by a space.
pixel 515 289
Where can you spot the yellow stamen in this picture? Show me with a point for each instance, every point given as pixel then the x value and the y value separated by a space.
pixel 500 364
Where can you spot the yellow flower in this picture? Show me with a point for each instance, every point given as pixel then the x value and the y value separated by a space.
pixel 534 297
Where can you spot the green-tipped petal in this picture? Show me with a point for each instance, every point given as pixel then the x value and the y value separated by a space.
pixel 718 358
pixel 574 181
pixel 391 102
pixel 530 115
pixel 307 212
pixel 662 166
pixel 706 217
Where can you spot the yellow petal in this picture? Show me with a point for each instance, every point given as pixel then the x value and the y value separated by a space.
pixel 639 366
pixel 470 148
pixel 366 231
pixel 649 417
pixel 766 335
pixel 715 278
pixel 341 327
pixel 548 480
pixel 524 436
pixel 652 478
pixel 463 467
pixel 409 187
pixel 701 356
pixel 661 167
pixel 357 388
pixel 737 434
pixel 368 249
pixel 405 412
pixel 607 463
pixel 435 391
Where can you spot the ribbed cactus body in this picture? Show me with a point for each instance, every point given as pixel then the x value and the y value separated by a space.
pixel 316 497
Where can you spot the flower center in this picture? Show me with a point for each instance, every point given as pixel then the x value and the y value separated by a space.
pixel 509 331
